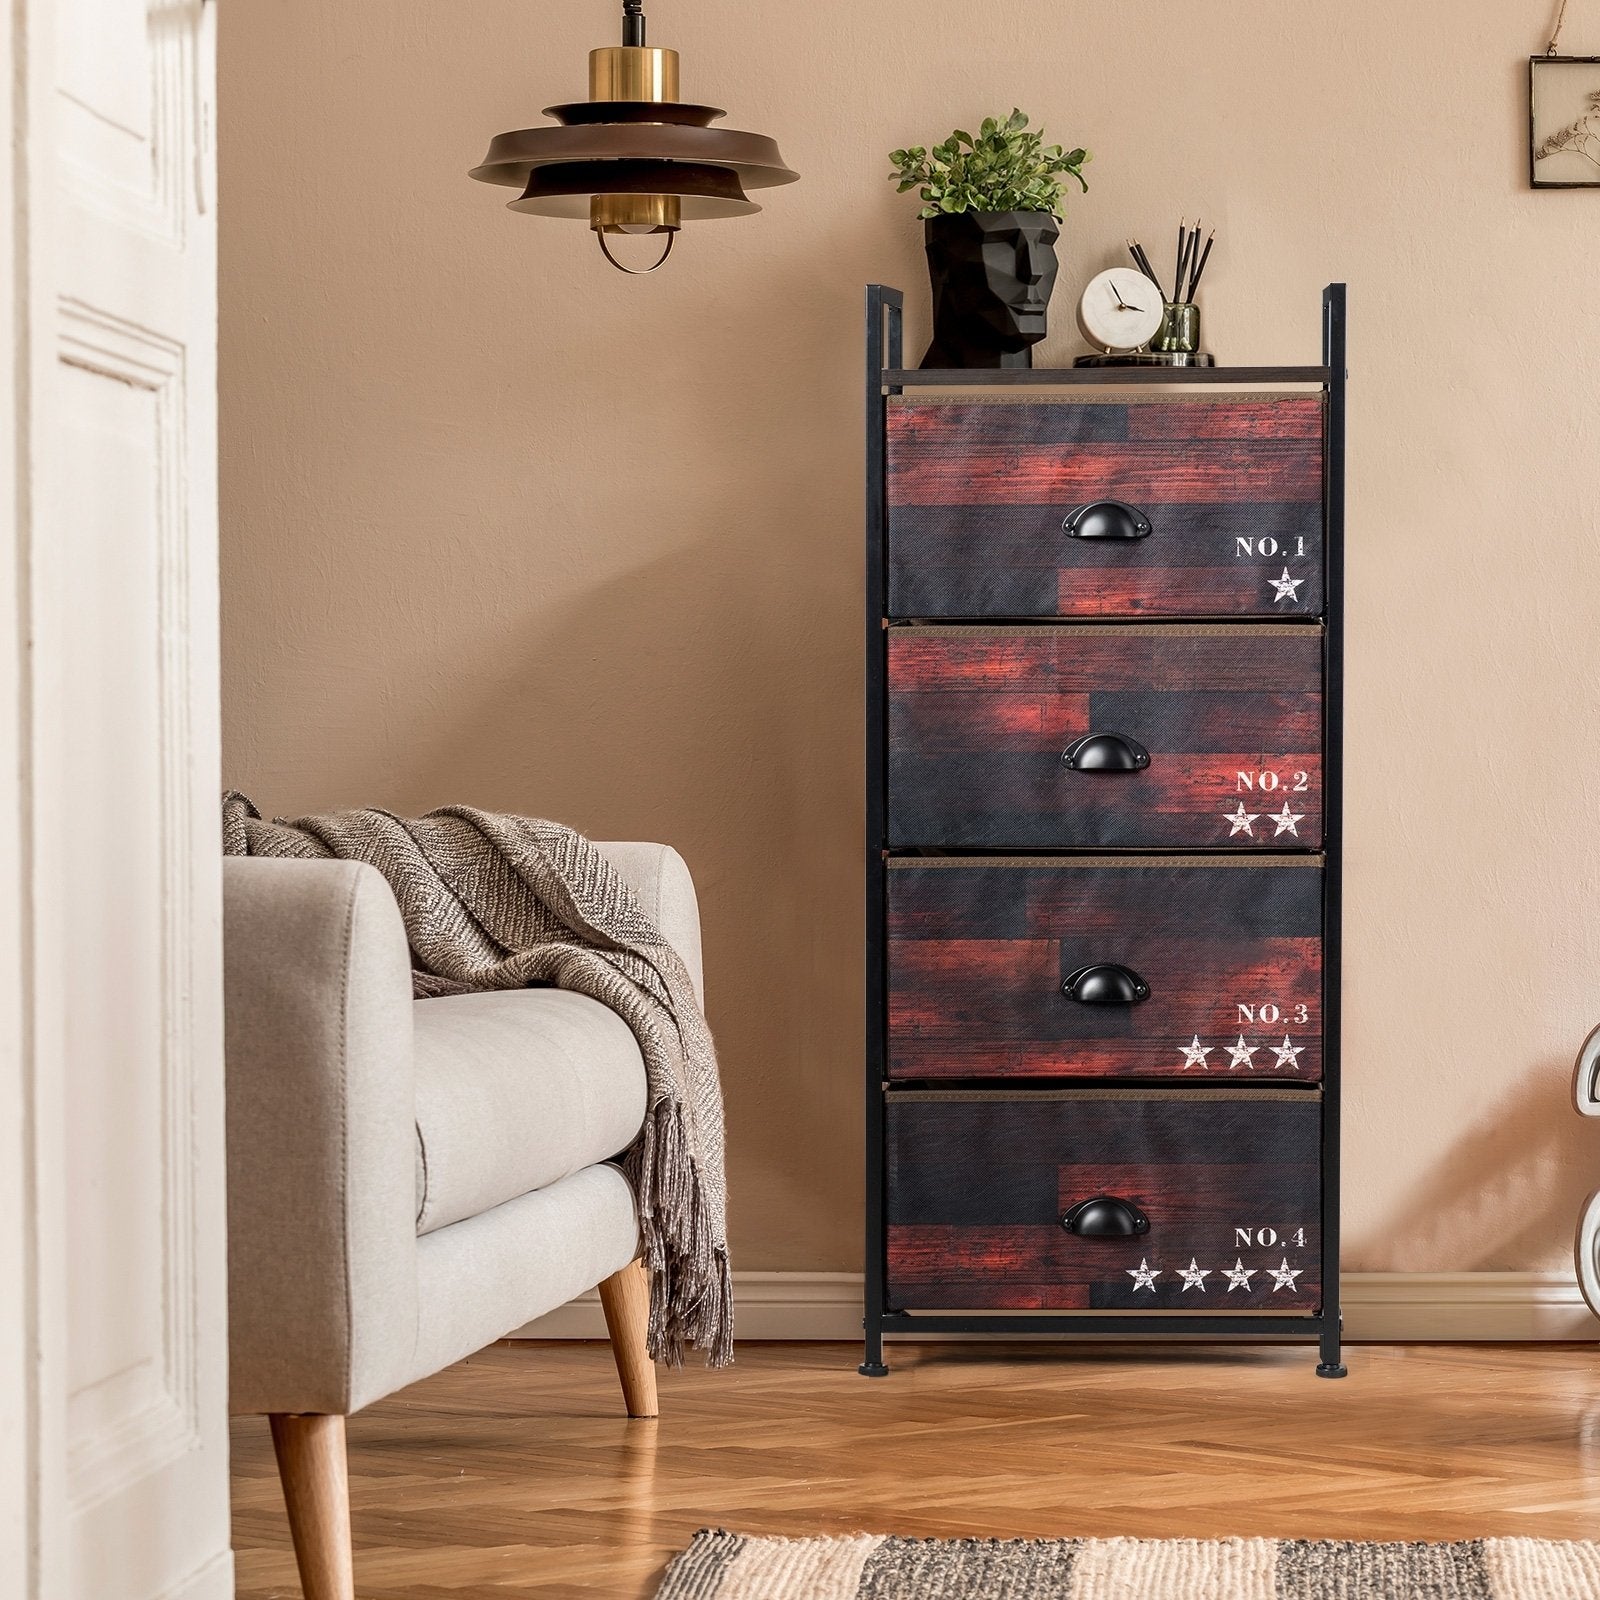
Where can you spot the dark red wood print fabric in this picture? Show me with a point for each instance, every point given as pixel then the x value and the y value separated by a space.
pixel 981 717
pixel 978 1186
pixel 978 492
pixel 1231 949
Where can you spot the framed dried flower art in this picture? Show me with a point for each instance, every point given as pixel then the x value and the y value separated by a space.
pixel 1564 122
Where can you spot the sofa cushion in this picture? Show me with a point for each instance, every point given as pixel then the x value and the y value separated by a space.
pixel 516 1089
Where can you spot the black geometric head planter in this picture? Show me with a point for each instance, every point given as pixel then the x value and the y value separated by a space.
pixel 992 273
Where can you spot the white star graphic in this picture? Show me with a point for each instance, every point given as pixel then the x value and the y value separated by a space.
pixel 1243 821
pixel 1194 1276
pixel 1144 1276
pixel 1285 588
pixel 1240 1055
pixel 1287 820
pixel 1283 1277
pixel 1238 1275
pixel 1288 1053
pixel 1194 1054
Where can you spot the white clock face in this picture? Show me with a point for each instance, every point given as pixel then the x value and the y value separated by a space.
pixel 1120 309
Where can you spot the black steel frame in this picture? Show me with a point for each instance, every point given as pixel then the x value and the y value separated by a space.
pixel 1333 358
pixel 885 377
pixel 884 317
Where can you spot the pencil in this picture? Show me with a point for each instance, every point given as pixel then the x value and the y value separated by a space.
pixel 1200 266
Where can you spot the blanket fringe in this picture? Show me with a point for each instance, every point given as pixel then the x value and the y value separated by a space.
pixel 678 1245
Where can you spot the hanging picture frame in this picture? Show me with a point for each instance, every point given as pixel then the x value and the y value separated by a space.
pixel 1564 122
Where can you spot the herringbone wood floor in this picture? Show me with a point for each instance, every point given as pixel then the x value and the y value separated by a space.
pixel 516 1473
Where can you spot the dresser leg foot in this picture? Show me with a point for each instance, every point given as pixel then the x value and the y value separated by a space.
pixel 872 1363
pixel 1330 1366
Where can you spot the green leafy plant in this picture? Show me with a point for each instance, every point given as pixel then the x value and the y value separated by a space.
pixel 1006 168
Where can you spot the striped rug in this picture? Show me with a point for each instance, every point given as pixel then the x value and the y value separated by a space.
pixel 733 1566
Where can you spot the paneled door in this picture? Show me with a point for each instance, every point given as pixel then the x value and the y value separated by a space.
pixel 114 905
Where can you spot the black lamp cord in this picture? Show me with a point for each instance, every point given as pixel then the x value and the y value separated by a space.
pixel 633 22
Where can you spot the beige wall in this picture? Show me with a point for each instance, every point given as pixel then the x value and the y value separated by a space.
pixel 503 526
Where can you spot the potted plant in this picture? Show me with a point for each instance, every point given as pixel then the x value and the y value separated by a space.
pixel 991 206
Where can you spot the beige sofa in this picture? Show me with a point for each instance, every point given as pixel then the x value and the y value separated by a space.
pixel 410 1180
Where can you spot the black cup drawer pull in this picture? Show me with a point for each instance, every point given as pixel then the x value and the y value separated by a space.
pixel 1105 1217
pixel 1105 752
pixel 1107 519
pixel 1106 983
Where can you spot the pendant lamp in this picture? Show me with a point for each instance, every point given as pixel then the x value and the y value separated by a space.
pixel 633 158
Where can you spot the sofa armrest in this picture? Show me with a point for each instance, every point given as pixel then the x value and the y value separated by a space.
pixel 659 877
pixel 321 1136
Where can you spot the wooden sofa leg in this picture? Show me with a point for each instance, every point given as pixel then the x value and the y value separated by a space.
pixel 626 1298
pixel 316 1491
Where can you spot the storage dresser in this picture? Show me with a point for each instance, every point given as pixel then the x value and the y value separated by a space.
pixel 1104 646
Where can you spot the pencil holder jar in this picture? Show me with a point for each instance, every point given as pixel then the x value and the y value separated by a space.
pixel 1180 328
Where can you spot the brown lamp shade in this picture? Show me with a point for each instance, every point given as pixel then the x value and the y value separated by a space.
pixel 566 189
pixel 616 156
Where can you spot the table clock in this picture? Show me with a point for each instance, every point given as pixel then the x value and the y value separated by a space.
pixel 1119 312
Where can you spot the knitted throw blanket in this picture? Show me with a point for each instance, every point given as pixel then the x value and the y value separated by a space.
pixel 501 902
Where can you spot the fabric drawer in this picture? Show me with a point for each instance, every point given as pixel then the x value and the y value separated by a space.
pixel 1205 968
pixel 1224 723
pixel 1223 499
pixel 1224 1185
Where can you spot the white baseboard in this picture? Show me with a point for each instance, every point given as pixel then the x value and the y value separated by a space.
pixel 1378 1306
pixel 1490 1306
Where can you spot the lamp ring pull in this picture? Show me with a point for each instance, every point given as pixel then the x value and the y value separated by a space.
pixel 636 272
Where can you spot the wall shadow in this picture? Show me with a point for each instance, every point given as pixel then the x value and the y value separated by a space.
pixel 1516 1181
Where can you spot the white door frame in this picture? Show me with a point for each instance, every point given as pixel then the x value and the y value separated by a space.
pixel 113 1357
pixel 18 1466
